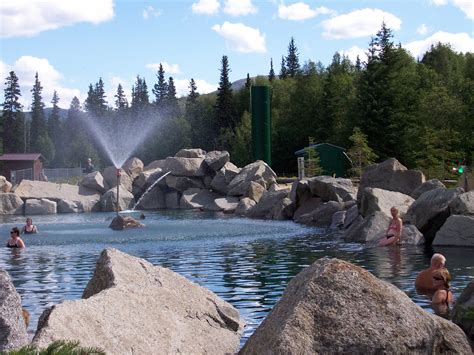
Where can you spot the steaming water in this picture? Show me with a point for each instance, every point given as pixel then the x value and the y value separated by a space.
pixel 122 136
pixel 246 262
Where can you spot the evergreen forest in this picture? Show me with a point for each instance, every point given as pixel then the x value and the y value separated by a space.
pixel 392 105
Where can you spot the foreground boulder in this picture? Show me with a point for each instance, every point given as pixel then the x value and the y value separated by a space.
pixel 334 307
pixel 131 306
pixel 464 311
pixel 12 326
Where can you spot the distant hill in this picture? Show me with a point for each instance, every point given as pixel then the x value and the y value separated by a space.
pixel 47 113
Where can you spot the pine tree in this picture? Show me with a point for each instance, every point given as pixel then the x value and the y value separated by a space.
pixel 38 121
pixel 360 153
pixel 193 94
pixel 55 131
pixel 12 119
pixel 96 103
pixel 140 98
pixel 248 82
pixel 160 89
pixel 121 103
pixel 225 110
pixel 283 72
pixel 271 74
pixel 312 161
pixel 292 60
pixel 172 108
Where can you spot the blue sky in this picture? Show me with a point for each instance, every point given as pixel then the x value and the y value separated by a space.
pixel 73 43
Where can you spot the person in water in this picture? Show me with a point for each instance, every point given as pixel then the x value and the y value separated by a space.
pixel 394 230
pixel 29 227
pixel 443 295
pixel 15 240
pixel 424 280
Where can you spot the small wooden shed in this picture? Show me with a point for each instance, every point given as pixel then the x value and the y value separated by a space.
pixel 333 159
pixel 24 166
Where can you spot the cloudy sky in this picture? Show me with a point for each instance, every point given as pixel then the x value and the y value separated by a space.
pixel 73 43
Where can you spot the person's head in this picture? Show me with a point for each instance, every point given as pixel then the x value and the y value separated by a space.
pixel 15 232
pixel 441 278
pixel 29 221
pixel 394 212
pixel 438 261
pixel 89 160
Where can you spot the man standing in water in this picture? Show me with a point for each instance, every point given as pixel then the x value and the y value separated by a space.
pixel 89 166
pixel 424 280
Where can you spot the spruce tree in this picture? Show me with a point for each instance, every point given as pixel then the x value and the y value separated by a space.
pixel 55 131
pixel 121 103
pixel 283 72
pixel 271 74
pixel 12 119
pixel 225 110
pixel 96 103
pixel 248 82
pixel 312 161
pixel 38 121
pixel 292 60
pixel 140 98
pixel 360 153
pixel 160 89
pixel 172 108
pixel 193 94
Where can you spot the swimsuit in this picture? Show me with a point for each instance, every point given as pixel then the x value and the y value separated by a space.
pixel 393 229
pixel 31 231
pixel 12 246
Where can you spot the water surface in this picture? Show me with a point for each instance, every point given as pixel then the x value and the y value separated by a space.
pixel 246 262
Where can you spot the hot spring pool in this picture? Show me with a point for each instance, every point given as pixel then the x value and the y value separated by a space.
pixel 246 262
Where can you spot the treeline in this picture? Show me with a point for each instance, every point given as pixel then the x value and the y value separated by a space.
pixel 420 112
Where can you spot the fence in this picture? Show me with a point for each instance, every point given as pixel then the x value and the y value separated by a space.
pixel 18 175
pixel 62 174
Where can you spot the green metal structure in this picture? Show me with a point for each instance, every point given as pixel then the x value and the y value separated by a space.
pixel 261 123
pixel 333 159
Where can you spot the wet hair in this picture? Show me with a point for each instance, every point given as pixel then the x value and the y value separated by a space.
pixel 16 231
pixel 439 259
pixel 443 274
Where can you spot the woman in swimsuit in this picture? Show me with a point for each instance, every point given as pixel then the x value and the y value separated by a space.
pixel 29 227
pixel 15 240
pixel 443 294
pixel 394 230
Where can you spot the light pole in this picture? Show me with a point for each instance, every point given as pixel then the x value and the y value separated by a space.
pixel 118 173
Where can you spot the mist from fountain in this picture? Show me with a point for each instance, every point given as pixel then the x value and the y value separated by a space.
pixel 149 189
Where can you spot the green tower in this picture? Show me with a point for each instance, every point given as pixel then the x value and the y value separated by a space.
pixel 261 123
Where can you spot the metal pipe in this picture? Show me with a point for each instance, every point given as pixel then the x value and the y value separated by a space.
pixel 118 173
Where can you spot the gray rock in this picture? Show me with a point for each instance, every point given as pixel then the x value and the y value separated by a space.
pixel 308 206
pixel 226 204
pixel 40 206
pixel 351 215
pixel 244 206
pixel 183 183
pixel 191 153
pixel 332 189
pixel 321 216
pixel 456 231
pixel 464 310
pixel 108 201
pixel 370 229
pixel 161 164
pixel 338 219
pixel 427 186
pixel 255 191
pixel 110 178
pixel 147 177
pixel 94 181
pixel 65 206
pixel 390 175
pixel 12 326
pixel 300 192
pixel 375 199
pixel 230 171
pixel 180 166
pixel 219 183
pixel 334 307
pixel 172 200
pixel 10 203
pixel 215 160
pixel 264 207
pixel 463 204
pixel 283 210
pixel 130 306
pixel 5 185
pixel 197 198
pixel 133 167
pixel 411 235
pixel 258 170
pixel 154 199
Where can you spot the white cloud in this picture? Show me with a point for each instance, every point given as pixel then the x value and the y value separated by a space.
pixel 203 87
pixel 28 18
pixel 206 7
pixel 301 11
pixel 149 12
pixel 25 69
pixel 353 52
pixel 422 30
pixel 466 6
pixel 239 7
pixel 460 42
pixel 241 38
pixel 359 23
pixel 168 68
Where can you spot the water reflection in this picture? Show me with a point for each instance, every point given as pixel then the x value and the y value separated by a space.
pixel 246 262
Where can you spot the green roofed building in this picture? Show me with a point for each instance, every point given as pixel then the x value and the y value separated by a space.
pixel 333 159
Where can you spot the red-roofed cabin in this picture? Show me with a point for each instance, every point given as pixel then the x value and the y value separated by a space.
pixel 23 166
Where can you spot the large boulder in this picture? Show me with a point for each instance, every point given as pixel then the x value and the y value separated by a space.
pixel 65 206
pixel 266 204
pixel 172 199
pixel 133 167
pixel 370 229
pixel 110 178
pixel 5 185
pixel 375 199
pixel 244 206
pixel 197 198
pixel 130 306
pixel 35 206
pixel 12 326
pixel 322 215
pixel 88 198
pixel 427 186
pixel 147 177
pixel 191 153
pixel 464 311
pixel 334 307
pixel 283 210
pixel 152 200
pixel 215 160
pixel 351 216
pixel 456 231
pixel 257 171
pixel 155 164
pixel 411 235
pixel 108 201
pixel 309 205
pixel 10 203
pixel 332 189
pixel 223 177
pixel 180 166
pixel 390 175
pixel 94 181
pixel 463 204
pixel 255 191
pixel 429 212
pixel 183 183
pixel 226 204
